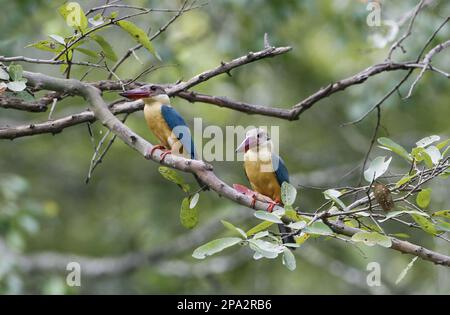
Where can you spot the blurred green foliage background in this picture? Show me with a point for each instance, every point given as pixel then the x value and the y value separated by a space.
pixel 45 204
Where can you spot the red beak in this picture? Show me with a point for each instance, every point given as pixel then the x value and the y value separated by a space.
pixel 136 94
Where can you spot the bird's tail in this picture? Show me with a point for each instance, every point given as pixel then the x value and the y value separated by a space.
pixel 284 230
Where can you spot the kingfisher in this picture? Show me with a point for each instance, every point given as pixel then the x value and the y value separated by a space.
pixel 265 171
pixel 164 122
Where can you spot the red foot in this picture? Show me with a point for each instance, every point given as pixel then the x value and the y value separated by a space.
pixel 253 201
pixel 272 205
pixel 163 155
pixel 156 147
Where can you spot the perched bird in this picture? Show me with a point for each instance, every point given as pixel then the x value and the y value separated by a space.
pixel 265 170
pixel 165 123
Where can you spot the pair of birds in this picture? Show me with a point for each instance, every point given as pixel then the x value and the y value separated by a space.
pixel 265 170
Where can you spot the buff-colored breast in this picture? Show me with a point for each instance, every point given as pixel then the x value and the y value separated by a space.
pixel 158 126
pixel 261 175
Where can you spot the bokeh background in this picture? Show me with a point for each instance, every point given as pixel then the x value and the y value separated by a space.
pixel 45 205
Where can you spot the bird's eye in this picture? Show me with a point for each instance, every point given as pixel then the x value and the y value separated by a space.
pixel 153 88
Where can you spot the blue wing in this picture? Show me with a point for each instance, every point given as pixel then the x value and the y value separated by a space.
pixel 281 171
pixel 179 127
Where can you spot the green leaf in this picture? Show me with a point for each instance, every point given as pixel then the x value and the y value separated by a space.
pixel 405 179
pixel 87 52
pixel 318 228
pixel 261 235
pixel 267 216
pixel 442 144
pixel 405 271
pixel 423 198
pixel 333 194
pixel 15 72
pixel 106 47
pixel 266 249
pixel 424 224
pixel 258 228
pixel 113 15
pixel 58 39
pixel 442 225
pixel 174 177
pixel 420 154
pixel 303 237
pixel 377 168
pixel 394 214
pixel 46 45
pixel 427 141
pixel 188 216
pixel 74 15
pixel 288 194
pixel 372 238
pixel 96 20
pixel 434 154
pixel 446 151
pixel 291 214
pixel 289 260
pixel 297 225
pixel 390 145
pixel 442 213
pixel 215 246
pixel 233 228
pixel 17 86
pixel 3 75
pixel 139 35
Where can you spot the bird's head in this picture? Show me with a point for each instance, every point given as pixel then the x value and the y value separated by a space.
pixel 147 92
pixel 256 137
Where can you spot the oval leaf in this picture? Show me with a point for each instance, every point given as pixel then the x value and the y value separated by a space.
pixel 188 215
pixel 139 35
pixel 424 224
pixel 423 198
pixel 377 168
pixel 288 194
pixel 174 177
pixel 16 86
pixel 289 260
pixel 74 15
pixel 434 154
pixel 233 228
pixel 265 248
pixel 15 72
pixel 267 216
pixel 106 47
pixel 390 145
pixel 442 213
pixel 3 75
pixel 427 141
pixel 318 228
pixel 372 238
pixel 215 246
pixel 258 228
